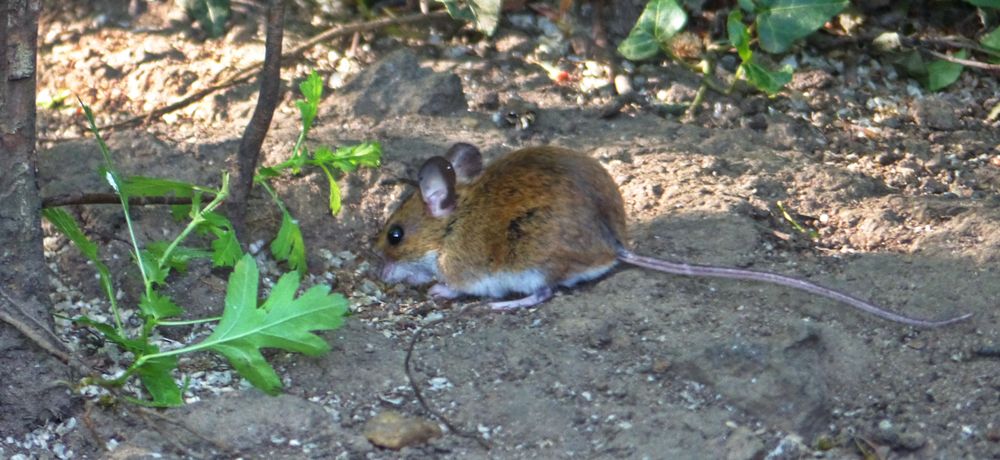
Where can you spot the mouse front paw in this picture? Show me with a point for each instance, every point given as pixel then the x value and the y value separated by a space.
pixel 442 291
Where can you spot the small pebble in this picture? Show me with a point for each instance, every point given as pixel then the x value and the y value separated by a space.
pixel 393 430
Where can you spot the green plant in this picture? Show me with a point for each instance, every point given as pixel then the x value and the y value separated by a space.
pixel 939 74
pixel 283 321
pixel 484 13
pixel 777 25
pixel 288 245
pixel 212 15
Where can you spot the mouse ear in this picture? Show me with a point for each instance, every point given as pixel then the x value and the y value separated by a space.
pixel 466 160
pixel 437 186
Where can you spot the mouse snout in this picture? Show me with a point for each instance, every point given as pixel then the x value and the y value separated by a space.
pixel 386 271
pixel 417 271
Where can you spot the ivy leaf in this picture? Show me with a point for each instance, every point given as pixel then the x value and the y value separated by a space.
pixel 457 13
pixel 765 80
pixel 940 73
pixel 288 245
pixel 211 14
pixel 985 3
pixel 660 21
pixel 283 322
pixel 781 22
pixel 992 39
pixel 485 13
pixel 739 34
pixel 158 306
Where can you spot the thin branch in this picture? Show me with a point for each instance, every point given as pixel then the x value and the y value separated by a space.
pixel 247 73
pixel 33 334
pixel 37 333
pixel 69 199
pixel 364 27
pixel 416 389
pixel 965 62
pixel 951 42
pixel 269 92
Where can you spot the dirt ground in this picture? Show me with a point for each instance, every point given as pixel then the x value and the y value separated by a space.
pixel 902 187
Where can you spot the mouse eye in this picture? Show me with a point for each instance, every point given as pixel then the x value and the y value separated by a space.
pixel 395 235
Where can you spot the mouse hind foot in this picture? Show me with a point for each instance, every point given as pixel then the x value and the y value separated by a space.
pixel 537 297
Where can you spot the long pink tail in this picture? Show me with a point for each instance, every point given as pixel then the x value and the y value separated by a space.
pixel 792 282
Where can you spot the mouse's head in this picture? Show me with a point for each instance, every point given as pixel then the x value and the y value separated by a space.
pixel 411 239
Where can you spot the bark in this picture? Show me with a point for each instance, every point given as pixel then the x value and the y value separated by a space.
pixel 253 137
pixel 30 392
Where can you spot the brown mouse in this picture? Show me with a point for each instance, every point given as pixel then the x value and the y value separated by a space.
pixel 533 220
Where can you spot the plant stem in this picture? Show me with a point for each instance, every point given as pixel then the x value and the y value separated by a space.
pixel 189 321
pixel 274 196
pixel 198 218
pixel 131 233
pixel 112 177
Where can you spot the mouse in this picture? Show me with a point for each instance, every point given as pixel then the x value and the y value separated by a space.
pixel 532 221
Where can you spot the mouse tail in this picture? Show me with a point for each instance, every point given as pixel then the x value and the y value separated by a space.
pixel 677 268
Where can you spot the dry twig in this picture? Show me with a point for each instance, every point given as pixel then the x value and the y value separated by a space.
pixel 965 62
pixel 69 199
pixel 416 388
pixel 249 72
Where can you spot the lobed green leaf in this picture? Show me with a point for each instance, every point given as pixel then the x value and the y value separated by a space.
pixel 154 272
pixel 289 245
pixel 66 224
pixel 158 306
pixel 282 322
pixel 155 375
pixel 225 249
pixel 312 88
pixel 137 347
pixel 180 257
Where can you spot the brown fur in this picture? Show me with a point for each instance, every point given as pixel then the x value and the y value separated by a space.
pixel 543 207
